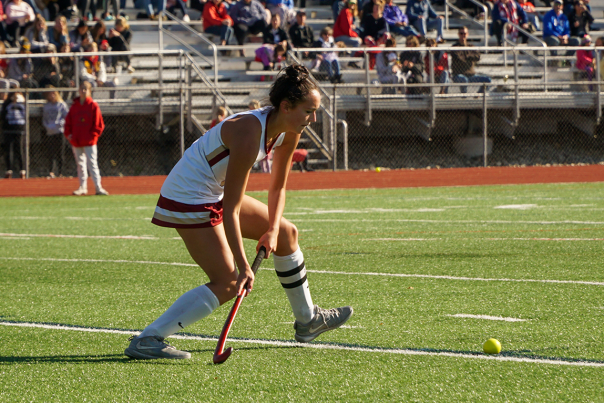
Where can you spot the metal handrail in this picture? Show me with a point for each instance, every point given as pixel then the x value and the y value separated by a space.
pixel 506 41
pixel 214 90
pixel 194 32
pixel 460 11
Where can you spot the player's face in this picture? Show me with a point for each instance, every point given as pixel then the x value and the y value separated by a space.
pixel 305 112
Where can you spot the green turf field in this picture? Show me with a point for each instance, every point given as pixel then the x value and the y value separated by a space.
pixel 431 273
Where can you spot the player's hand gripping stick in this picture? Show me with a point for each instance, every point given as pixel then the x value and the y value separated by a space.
pixel 220 355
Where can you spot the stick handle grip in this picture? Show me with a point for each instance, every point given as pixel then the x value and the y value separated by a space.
pixel 259 257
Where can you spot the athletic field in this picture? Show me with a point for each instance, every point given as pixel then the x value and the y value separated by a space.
pixel 432 273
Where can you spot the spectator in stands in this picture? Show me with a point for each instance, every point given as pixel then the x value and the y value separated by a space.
pixel 328 61
pixel 3 37
pixel 221 113
pixel 301 34
pixel 441 66
pixel 94 70
pixel 336 7
pixel 37 34
pixel 388 67
pixel 67 68
pixel 21 70
pixel 59 35
pixel 284 9
pixel 88 9
pixel 300 158
pixel 254 104
pixel 374 25
pixel 586 61
pixel 274 34
pixel 47 70
pixel 19 17
pixel 504 12
pixel 119 41
pixel 3 62
pixel 344 29
pixel 556 30
pixel 531 15
pixel 580 20
pixel 463 63
pixel 412 65
pixel 248 19
pixel 423 17
pixel 172 5
pixel 271 56
pixel 83 126
pixel 53 119
pixel 80 37
pixel 13 131
pixel 397 21
pixel 216 21
pixel 98 32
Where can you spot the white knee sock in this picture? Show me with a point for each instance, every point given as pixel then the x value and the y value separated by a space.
pixel 292 274
pixel 192 306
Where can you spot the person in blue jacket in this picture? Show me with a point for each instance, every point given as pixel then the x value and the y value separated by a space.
pixel 556 30
pixel 423 17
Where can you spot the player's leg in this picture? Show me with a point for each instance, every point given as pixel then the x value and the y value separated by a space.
pixel 311 320
pixel 209 249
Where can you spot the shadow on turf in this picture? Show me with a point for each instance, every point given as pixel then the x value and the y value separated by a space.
pixel 64 359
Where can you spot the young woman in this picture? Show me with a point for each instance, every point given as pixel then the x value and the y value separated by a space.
pixel 53 120
pixel 208 185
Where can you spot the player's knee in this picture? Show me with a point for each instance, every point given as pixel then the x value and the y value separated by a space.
pixel 288 233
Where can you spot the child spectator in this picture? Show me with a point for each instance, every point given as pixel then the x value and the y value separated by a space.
pixel 83 127
pixel 274 34
pixel 389 68
pixel 413 65
pixel 221 113
pixel 441 66
pixel 94 70
pixel 37 35
pixel 254 104
pixel 328 61
pixel 586 60
pixel 13 130
pixel 53 118
pixel 19 16
pixel 119 41
pixel 271 57
pixel 59 35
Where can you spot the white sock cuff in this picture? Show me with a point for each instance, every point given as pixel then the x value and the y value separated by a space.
pixel 288 262
pixel 208 296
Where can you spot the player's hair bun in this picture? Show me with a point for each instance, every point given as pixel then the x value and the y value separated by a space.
pixel 296 72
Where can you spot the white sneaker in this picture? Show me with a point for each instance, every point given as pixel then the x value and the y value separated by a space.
pixel 186 18
pixel 102 192
pixel 80 191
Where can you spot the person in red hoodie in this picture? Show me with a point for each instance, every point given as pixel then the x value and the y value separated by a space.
pixel 344 29
pixel 216 21
pixel 83 127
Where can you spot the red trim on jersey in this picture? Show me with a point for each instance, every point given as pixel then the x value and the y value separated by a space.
pixel 219 157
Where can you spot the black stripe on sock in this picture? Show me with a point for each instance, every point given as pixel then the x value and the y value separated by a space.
pixel 295 283
pixel 290 272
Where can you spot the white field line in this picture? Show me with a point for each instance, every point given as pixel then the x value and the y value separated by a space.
pixel 2 235
pixel 483 239
pixel 321 346
pixel 373 220
pixel 318 271
pixel 486 317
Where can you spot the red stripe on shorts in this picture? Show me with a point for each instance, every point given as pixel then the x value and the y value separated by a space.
pixel 172 205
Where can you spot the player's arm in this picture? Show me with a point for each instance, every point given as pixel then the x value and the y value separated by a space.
pixel 241 136
pixel 282 160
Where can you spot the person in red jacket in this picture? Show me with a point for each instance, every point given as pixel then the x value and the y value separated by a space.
pixel 216 21
pixel 83 127
pixel 441 66
pixel 344 29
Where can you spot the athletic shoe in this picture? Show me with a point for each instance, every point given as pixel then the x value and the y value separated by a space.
pixel 324 320
pixel 102 192
pixel 186 18
pixel 80 191
pixel 153 347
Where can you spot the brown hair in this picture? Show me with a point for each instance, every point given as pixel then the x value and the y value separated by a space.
pixel 412 42
pixel 293 84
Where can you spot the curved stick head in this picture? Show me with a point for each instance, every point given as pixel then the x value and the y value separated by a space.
pixel 219 358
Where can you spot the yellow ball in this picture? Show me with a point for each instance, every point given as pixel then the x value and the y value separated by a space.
pixel 492 346
pixel 378 169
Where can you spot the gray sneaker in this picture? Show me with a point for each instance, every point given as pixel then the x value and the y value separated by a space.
pixel 324 320
pixel 152 347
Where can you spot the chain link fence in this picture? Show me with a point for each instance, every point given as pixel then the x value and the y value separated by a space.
pixel 521 119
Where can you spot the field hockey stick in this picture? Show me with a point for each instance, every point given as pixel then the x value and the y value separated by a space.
pixel 220 355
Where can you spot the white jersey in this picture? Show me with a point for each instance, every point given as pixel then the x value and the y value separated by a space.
pixel 198 178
